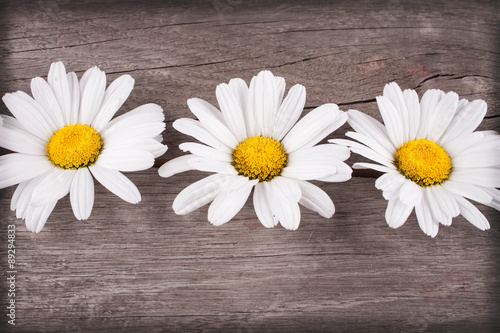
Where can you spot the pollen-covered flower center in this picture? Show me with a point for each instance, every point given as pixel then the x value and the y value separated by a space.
pixel 260 158
pixel 74 146
pixel 424 162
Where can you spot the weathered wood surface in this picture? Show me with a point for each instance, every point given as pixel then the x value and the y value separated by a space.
pixel 141 266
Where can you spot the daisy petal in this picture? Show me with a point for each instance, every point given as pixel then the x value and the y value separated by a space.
pixel 15 138
pixel 413 117
pixel 369 126
pixel 232 111
pixel 467 190
pixel 116 183
pixel 472 214
pixel 392 120
pixel 16 168
pixel 316 199
pixel 425 221
pixel 176 165
pixel 30 114
pixel 92 87
pixel 262 205
pixel 466 120
pixel 198 194
pixel 205 151
pixel 229 202
pixel 489 177
pixel 213 124
pixel 194 128
pixel 125 159
pixel 441 116
pixel 285 195
pixel 263 102
pixel 114 97
pixel 397 213
pixel 314 127
pixel 429 101
pixel 410 193
pixel 289 111
pixel 36 217
pixel 82 194
pixel 53 187
pixel 62 86
pixel 44 95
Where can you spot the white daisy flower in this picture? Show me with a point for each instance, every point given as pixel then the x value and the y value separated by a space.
pixel 255 142
pixel 64 137
pixel 431 157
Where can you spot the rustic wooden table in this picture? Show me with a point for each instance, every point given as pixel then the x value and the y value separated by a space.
pixel 141 266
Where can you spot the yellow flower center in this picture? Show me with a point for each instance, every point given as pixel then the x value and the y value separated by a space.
pixel 74 147
pixel 424 162
pixel 260 158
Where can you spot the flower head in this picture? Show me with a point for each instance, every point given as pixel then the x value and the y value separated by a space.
pixel 63 137
pixel 431 157
pixel 255 142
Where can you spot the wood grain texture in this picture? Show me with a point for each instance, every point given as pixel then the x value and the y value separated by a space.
pixel 131 267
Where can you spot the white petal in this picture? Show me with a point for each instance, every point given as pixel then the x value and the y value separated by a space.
pixel 376 167
pixel 489 177
pixel 447 203
pixel 429 101
pixel 437 212
pixel 316 199
pixel 53 187
pixel 198 194
pixel 44 95
pixel 229 202
pixel 209 165
pixel 397 213
pixel 195 129
pixel 232 111
pixel 262 205
pixel 74 87
pixel 16 168
pixel 390 184
pixel 410 193
pixel 284 195
pixel 369 126
pixel 425 221
pixel 466 120
pixel 472 214
pixel 92 87
pixel 240 90
pixel 30 114
pixel 342 173
pixel 145 121
pixel 289 111
pixel 37 216
pixel 312 162
pixel 372 144
pixel 394 94
pixel 392 121
pixel 176 165
pixel 314 127
pixel 365 151
pixel 469 191
pixel 14 137
pixel 205 151
pixel 441 116
pixel 114 97
pixel 82 194
pixel 125 159
pixel 116 183
pixel 213 124
pixel 62 86
pixel 22 196
pixel 413 108
pixel 263 101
